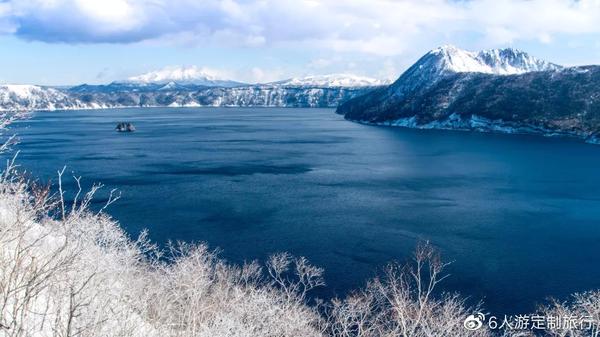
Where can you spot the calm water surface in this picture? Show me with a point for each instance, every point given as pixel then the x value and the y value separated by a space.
pixel 518 215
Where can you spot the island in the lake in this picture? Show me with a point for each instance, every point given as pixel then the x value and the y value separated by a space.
pixel 125 127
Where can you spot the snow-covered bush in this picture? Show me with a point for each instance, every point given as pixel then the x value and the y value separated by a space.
pixel 78 274
pixel 403 303
pixel 583 307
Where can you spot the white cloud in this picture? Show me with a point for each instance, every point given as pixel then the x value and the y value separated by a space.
pixel 320 63
pixel 378 27
pixel 260 75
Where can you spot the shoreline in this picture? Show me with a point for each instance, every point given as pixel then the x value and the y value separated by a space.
pixel 480 124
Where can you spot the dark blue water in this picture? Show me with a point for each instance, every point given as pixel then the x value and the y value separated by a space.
pixel 518 215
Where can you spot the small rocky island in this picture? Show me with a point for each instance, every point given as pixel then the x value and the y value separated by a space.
pixel 125 127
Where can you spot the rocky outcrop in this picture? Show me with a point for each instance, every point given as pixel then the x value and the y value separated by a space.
pixel 125 127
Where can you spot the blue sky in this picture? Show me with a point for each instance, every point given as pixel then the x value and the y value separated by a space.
pixel 65 42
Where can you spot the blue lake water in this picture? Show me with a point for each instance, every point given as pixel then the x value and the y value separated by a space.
pixel 518 215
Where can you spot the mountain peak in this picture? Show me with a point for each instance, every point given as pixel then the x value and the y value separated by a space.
pixel 447 48
pixel 182 75
pixel 507 61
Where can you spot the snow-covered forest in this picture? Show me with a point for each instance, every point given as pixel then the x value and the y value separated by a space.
pixel 68 271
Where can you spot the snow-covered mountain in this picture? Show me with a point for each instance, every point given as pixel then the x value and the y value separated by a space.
pixel 332 81
pixel 501 90
pixel 445 61
pixel 182 76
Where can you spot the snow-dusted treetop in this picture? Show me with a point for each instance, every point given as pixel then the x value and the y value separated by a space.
pixel 183 75
pixel 333 80
pixel 506 61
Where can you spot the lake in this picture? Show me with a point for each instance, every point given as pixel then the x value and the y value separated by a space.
pixel 519 216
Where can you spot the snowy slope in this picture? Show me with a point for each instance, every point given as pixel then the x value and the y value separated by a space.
pixel 32 97
pixel 446 61
pixel 506 61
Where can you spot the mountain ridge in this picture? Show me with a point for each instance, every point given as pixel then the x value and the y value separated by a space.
pixel 119 96
pixel 190 87
pixel 505 61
